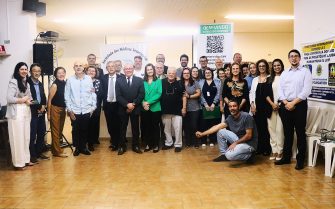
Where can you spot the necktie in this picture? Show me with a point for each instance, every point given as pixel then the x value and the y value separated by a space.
pixel 128 81
pixel 111 89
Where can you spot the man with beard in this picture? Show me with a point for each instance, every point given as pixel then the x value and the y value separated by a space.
pixel 239 130
pixel 183 64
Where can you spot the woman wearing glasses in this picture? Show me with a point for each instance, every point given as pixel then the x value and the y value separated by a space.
pixel 260 108
pixel 210 100
pixel 191 119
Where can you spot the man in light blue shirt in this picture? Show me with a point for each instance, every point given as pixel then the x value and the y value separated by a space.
pixel 80 101
pixel 295 86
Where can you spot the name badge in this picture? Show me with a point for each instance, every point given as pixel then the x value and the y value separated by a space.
pixel 208 94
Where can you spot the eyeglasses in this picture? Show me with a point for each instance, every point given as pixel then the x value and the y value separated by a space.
pixel 261 65
pixel 294 56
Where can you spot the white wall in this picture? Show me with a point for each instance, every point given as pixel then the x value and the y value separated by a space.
pixel 313 22
pixel 20 28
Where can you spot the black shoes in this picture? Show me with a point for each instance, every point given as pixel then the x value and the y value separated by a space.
pixel 251 159
pixel 85 152
pixel 113 148
pixel 221 158
pixel 121 151
pixel 137 150
pixel 90 147
pixel 76 152
pixel 44 157
pixel 177 149
pixel 282 162
pixel 299 166
pixel 167 147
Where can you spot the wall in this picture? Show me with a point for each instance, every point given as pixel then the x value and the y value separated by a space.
pixel 20 28
pixel 313 23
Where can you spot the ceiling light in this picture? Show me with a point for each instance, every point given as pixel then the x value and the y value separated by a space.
pixel 99 19
pixel 172 31
pixel 259 17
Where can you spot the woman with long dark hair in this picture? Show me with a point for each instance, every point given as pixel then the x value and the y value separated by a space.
pixel 235 87
pixel 260 108
pixel 19 116
pixel 151 112
pixel 56 111
pixel 191 119
pixel 195 73
pixel 275 124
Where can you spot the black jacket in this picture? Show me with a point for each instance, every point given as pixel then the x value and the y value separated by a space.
pixel 35 107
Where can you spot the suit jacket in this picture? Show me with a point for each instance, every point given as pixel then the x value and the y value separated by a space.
pixel 104 85
pixel 36 107
pixel 129 94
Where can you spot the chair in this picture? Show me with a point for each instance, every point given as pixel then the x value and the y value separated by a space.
pixel 328 122
pixel 333 167
pixel 314 115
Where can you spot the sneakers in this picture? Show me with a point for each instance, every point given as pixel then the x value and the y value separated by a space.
pixel 273 156
pixel 177 149
pixel 211 144
pixel 251 159
pixel 220 158
pixel 203 145
pixel 279 156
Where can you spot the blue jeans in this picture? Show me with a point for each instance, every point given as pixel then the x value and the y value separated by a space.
pixel 241 151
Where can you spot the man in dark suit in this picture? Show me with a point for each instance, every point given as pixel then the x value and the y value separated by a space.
pixel 37 123
pixel 110 104
pixel 129 94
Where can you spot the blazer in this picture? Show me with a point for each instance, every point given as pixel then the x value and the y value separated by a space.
pixel 36 107
pixel 218 84
pixel 129 94
pixel 104 84
pixel 13 93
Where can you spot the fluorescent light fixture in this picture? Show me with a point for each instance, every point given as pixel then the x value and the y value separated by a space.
pixel 99 19
pixel 259 17
pixel 172 31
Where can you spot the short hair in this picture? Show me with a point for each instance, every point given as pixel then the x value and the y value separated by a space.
pixel 244 65
pixel 111 61
pixel 203 57
pixel 234 100
pixel 138 57
pixel 57 69
pixel 295 51
pixel 212 74
pixel 160 55
pixel 34 65
pixel 236 54
pixel 95 69
pixel 91 55
pixel 183 55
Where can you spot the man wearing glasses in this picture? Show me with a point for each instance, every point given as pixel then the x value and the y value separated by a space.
pixel 173 105
pixel 294 87
pixel 203 61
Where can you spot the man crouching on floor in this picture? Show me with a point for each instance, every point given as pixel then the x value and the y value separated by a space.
pixel 239 130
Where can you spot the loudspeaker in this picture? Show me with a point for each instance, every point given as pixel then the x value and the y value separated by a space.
pixel 40 9
pixel 29 5
pixel 43 54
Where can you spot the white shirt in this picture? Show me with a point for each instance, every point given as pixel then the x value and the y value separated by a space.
pixel 295 83
pixel 109 80
pixel 139 73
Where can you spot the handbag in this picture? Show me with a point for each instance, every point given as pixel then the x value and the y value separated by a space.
pixel 215 114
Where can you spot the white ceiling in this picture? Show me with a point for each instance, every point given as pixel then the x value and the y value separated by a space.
pixel 183 13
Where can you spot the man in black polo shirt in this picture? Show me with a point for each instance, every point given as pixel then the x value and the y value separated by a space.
pixel 173 105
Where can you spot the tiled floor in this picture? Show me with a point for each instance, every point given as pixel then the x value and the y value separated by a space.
pixel 186 180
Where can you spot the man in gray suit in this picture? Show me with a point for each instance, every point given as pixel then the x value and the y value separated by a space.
pixel 129 91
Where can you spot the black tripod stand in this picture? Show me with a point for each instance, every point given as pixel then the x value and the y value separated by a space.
pixel 63 141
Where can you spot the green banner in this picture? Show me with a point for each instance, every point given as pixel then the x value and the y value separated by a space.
pixel 215 28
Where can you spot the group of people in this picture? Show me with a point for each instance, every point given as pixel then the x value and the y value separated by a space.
pixel 246 109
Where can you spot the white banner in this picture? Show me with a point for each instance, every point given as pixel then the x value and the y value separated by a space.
pixel 319 58
pixel 215 40
pixel 124 52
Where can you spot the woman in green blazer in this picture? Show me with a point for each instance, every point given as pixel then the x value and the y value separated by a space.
pixel 151 112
